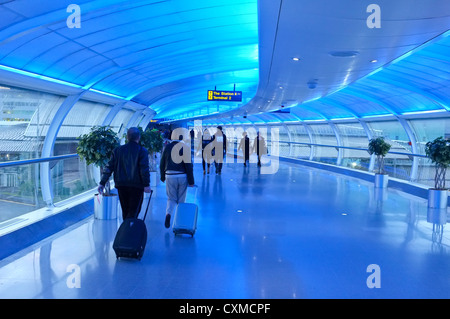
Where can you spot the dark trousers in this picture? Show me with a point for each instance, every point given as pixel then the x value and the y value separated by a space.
pixel 218 166
pixel 130 200
pixel 208 162
pixel 204 164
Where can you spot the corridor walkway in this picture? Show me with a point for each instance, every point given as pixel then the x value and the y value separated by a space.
pixel 299 233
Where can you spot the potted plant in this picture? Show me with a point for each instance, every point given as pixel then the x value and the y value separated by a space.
pixel 438 151
pixel 153 142
pixel 380 148
pixel 96 148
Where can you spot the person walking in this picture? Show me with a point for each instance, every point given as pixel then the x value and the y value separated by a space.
pixel 245 146
pixel 192 136
pixel 130 166
pixel 220 149
pixel 177 172
pixel 206 156
pixel 259 145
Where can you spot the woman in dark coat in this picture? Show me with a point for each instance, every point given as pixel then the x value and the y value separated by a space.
pixel 260 147
pixel 245 146
pixel 206 156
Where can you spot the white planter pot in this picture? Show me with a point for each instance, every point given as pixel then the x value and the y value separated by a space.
pixel 437 198
pixel 105 207
pixel 437 216
pixel 381 180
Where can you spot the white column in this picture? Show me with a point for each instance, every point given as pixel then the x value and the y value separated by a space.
pixel 49 142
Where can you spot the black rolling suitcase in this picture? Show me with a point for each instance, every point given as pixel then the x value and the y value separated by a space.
pixel 131 237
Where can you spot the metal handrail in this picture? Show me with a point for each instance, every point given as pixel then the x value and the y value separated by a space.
pixel 350 148
pixel 37 160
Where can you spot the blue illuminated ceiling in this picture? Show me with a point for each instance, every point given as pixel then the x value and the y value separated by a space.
pixel 320 60
pixel 167 54
pixel 164 54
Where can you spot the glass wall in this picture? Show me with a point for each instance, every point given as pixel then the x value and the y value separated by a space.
pixel 353 135
pixel 71 176
pixel 396 165
pixel 299 134
pixel 283 139
pixel 318 141
pixel 427 130
pixel 25 117
pixel 323 134
pixel 20 191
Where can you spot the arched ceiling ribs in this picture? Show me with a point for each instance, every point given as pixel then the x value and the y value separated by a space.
pixel 328 100
pixel 110 72
pixel 306 107
pixel 354 92
pixel 185 89
pixel 401 84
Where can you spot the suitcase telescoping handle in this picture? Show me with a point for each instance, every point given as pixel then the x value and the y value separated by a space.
pixel 191 194
pixel 148 204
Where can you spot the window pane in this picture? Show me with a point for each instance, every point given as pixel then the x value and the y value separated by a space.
pixel 428 130
pixel 299 135
pixel 324 134
pixel 24 119
pixel 354 135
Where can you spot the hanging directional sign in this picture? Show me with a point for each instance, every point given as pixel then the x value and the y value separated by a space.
pixel 235 96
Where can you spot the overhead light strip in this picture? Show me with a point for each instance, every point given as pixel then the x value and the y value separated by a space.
pixel 425 112
pixel 50 79
pixel 38 76
pixel 108 94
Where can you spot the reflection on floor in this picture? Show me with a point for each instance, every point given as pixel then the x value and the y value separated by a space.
pixel 299 233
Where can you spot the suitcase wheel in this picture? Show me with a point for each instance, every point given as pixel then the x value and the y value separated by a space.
pixel 177 232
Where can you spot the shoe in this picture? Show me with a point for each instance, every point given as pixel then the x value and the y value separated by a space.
pixel 167 222
pixel 204 172
pixel 208 170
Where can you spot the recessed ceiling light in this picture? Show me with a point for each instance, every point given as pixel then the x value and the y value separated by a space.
pixel 373 61
pixel 281 87
pixel 296 59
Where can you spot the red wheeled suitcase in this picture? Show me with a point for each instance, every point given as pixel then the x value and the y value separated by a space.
pixel 131 237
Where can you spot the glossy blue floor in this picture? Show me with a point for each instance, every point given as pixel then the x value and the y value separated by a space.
pixel 299 233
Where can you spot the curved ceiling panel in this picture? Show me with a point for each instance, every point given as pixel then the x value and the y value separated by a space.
pixel 322 56
pixel 133 48
pixel 320 59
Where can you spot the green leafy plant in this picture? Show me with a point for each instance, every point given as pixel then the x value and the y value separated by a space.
pixel 380 148
pixel 152 141
pixel 438 151
pixel 96 147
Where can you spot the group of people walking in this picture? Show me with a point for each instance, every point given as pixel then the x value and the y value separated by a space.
pixel 210 145
pixel 213 149
pixel 130 165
